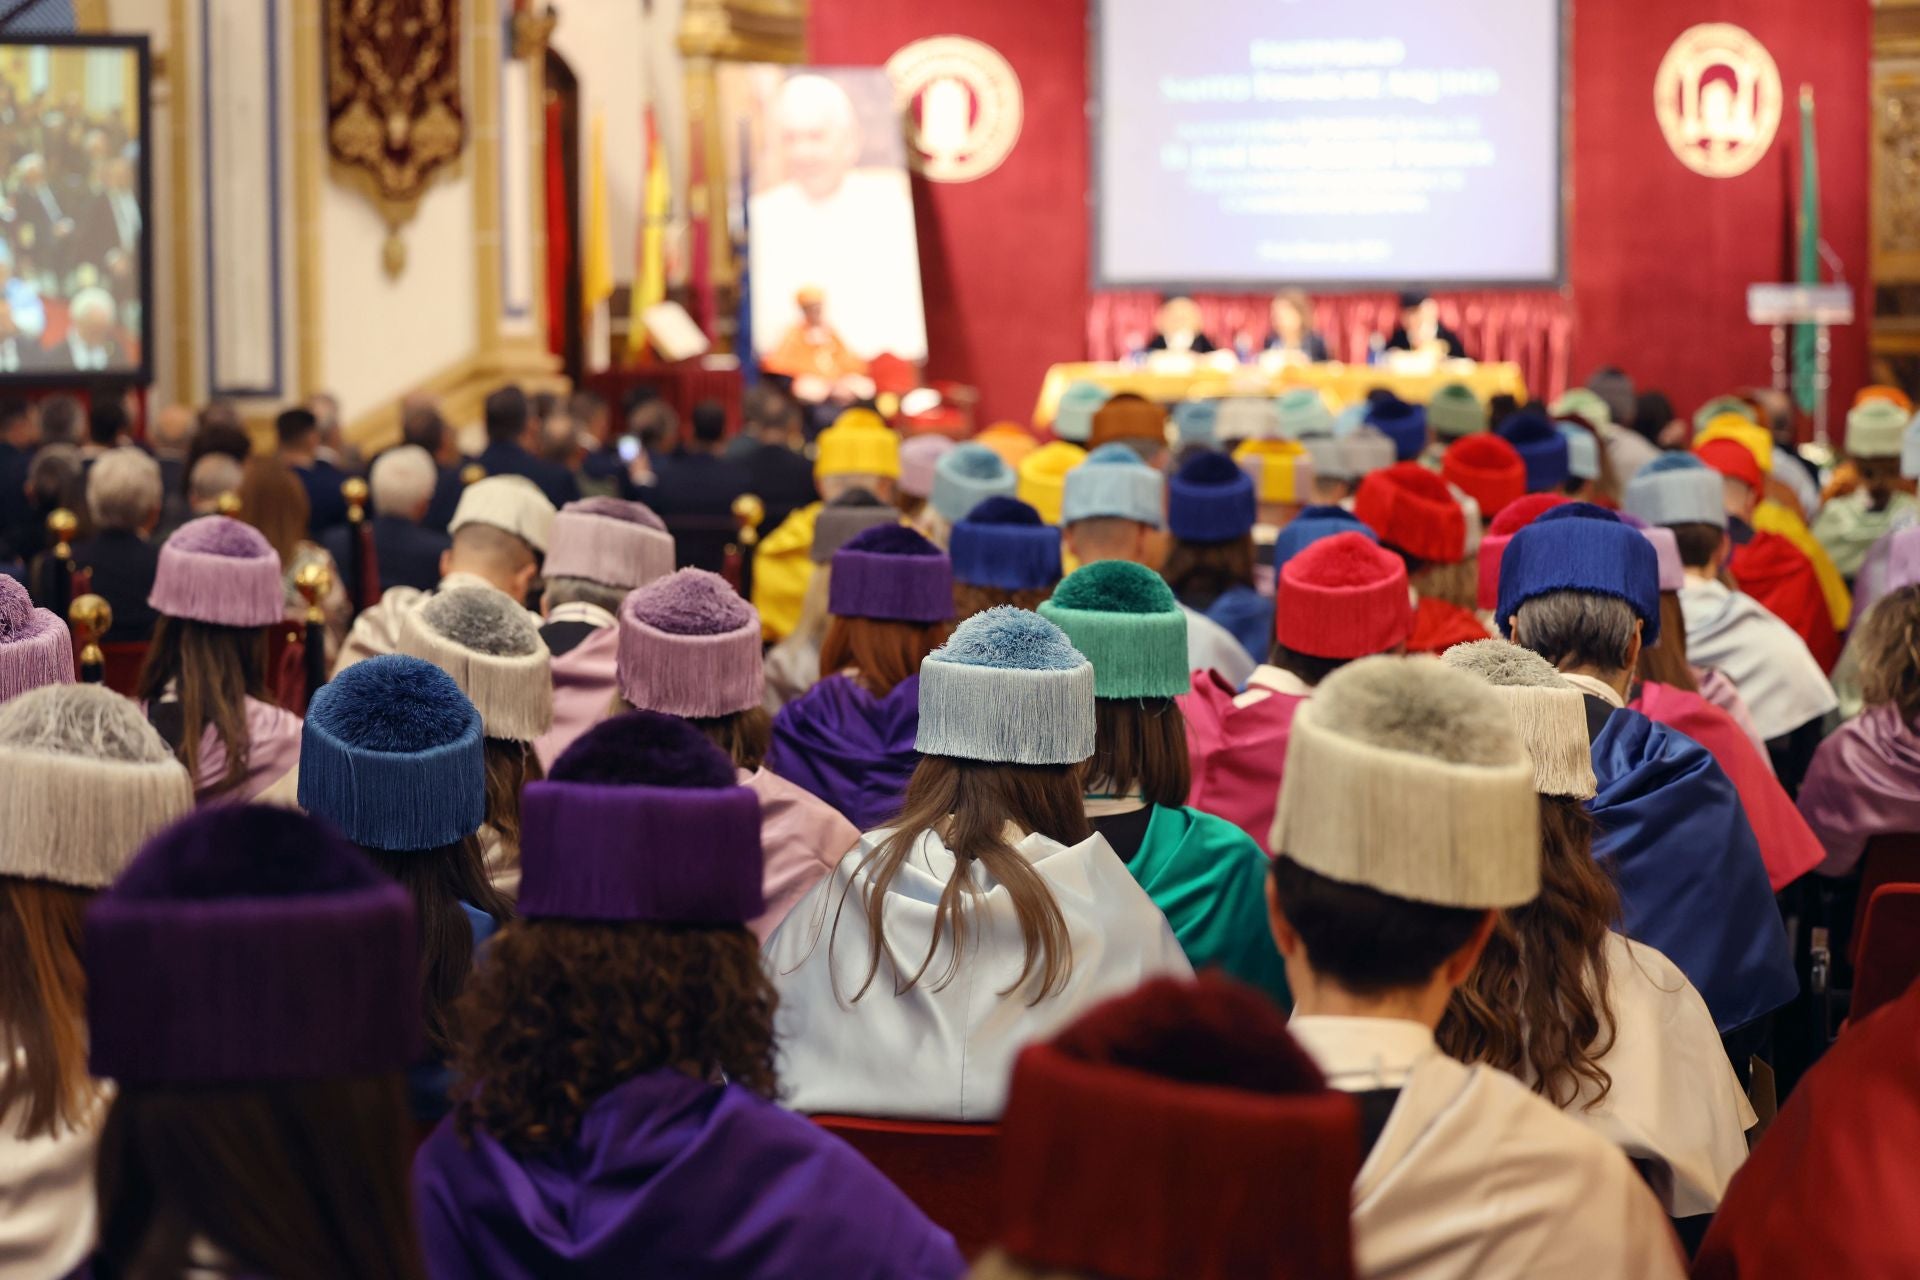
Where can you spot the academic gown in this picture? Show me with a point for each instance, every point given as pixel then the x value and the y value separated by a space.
pixel 1673 1103
pixel 1209 879
pixel 1247 616
pixel 1238 746
pixel 782 566
pixel 1787 844
pixel 584 685
pixel 671 1176
pixel 802 839
pixel 1669 824
pixel 1891 563
pixel 1771 666
pixel 1724 694
pixel 1775 516
pixel 945 1051
pixel 1211 646
pixel 1438 625
pixel 1848 526
pixel 1830 1190
pixel 1474 1177
pixel 377 629
pixel 1781 578
pixel 853 750
pixel 273 752
pixel 48 1211
pixel 1865 782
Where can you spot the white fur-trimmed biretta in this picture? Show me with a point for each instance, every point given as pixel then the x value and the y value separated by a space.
pixel 489 645
pixel 1549 714
pixel 1009 688
pixel 1405 776
pixel 84 780
pixel 513 504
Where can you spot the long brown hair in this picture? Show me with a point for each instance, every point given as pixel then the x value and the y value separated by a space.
pixel 213 670
pixel 743 735
pixel 970 803
pixel 1202 572
pixel 510 766
pixel 884 652
pixel 1140 743
pixel 971 598
pixel 561 1011
pixel 1666 662
pixel 299 1180
pixel 1457 583
pixel 43 1014
pixel 1536 1005
pixel 1889 643
pixel 273 500
pixel 439 880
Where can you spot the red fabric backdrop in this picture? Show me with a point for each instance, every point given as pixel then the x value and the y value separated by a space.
pixel 1659 257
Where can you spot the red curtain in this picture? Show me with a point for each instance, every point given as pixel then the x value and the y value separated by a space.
pixel 559 237
pixel 1531 328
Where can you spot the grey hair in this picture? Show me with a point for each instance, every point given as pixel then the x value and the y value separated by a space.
pixel 565 590
pixel 123 489
pixel 53 470
pixel 86 720
pixel 1577 629
pixel 401 479
pixel 213 475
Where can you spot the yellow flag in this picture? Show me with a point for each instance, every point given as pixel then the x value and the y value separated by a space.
pixel 651 285
pixel 596 255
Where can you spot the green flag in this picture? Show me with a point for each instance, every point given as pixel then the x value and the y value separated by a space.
pixel 1807 255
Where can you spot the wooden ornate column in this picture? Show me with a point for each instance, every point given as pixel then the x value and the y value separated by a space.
pixel 1895 178
pixel 712 32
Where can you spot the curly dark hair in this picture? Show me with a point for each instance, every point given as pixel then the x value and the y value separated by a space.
pixel 561 1011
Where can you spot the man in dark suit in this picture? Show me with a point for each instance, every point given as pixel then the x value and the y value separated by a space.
pixel 777 472
pixel 693 492
pixel 19 437
pixel 422 424
pixel 1420 328
pixel 402 482
pixel 298 432
pixel 92 345
pixel 109 218
pixel 123 499
pixel 508 422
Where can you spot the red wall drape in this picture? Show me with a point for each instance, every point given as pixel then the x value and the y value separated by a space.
pixel 1659 257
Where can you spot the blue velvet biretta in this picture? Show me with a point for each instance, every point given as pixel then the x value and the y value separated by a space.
pixel 1581 547
pixel 1113 481
pixel 1004 543
pixel 1313 524
pixel 1210 499
pixel 1404 424
pixel 1541 447
pixel 392 755
pixel 248 943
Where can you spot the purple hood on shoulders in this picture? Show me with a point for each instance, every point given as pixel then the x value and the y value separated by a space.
pixel 853 750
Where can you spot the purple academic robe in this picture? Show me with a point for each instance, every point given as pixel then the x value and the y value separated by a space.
pixel 1864 782
pixel 670 1176
pixel 853 750
pixel 273 751
pixel 801 837
pixel 583 687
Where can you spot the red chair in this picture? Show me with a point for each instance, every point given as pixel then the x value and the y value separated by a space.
pixel 121 671
pixel 890 373
pixel 950 1170
pixel 1889 859
pixel 1889 949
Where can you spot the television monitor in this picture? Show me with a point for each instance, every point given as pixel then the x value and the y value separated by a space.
pixel 76 260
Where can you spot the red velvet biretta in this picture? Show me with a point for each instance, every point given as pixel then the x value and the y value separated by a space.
pixel 1343 597
pixel 1488 469
pixel 1178 1131
pixel 1514 517
pixel 1413 511
pixel 1733 460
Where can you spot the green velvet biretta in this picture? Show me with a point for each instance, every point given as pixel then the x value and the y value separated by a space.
pixel 1125 619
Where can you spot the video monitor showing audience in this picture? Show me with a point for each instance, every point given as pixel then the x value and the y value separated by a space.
pixel 75 243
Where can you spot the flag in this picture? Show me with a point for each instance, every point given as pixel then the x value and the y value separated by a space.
pixel 743 322
pixel 700 271
pixel 1807 235
pixel 559 238
pixel 596 255
pixel 650 256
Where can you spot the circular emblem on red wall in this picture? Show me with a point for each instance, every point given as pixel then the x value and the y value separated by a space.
pixel 962 104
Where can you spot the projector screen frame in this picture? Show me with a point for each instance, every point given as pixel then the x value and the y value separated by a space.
pixel 1563 197
pixel 140 375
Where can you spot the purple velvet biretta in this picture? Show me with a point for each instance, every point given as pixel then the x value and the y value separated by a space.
pixel 641 820
pixel 690 646
pixel 891 573
pixel 218 570
pixel 35 648
pixel 249 943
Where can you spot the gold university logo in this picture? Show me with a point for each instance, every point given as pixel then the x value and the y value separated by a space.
pixel 962 103
pixel 1717 97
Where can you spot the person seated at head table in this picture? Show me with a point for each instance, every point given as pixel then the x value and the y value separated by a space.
pixel 1293 333
pixel 1176 328
pixel 1420 328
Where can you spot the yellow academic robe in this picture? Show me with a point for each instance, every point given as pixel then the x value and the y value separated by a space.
pixel 1775 517
pixel 782 567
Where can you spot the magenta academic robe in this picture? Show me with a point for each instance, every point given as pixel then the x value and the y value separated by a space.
pixel 1238 752
pixel 671 1177
pixel 583 687
pixel 802 838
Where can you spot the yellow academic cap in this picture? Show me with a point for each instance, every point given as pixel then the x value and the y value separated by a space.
pixel 858 443
pixel 1043 477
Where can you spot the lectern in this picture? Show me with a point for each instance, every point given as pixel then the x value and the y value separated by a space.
pixel 1820 305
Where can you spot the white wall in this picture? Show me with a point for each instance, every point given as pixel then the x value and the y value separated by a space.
pixel 604 42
